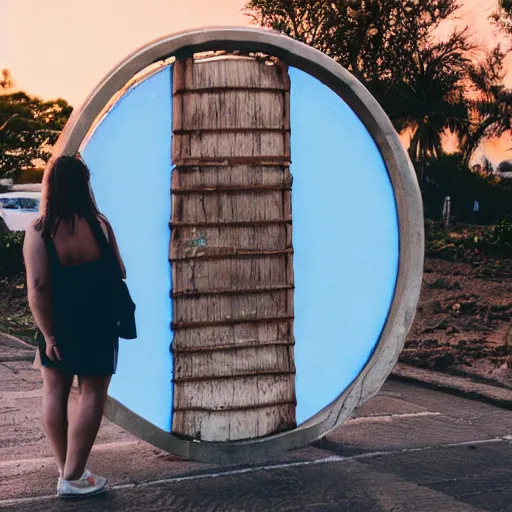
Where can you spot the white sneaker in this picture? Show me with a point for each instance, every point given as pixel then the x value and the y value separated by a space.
pixel 87 485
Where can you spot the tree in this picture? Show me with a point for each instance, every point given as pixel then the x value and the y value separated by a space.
pixel 429 99
pixel 374 39
pixel 503 15
pixel 29 126
pixel 490 103
pixel 390 46
pixel 425 85
pixel 487 166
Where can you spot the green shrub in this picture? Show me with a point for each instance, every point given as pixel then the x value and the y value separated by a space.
pixel 468 243
pixel 11 253
pixel 499 237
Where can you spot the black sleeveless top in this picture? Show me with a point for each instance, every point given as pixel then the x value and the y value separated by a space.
pixel 83 319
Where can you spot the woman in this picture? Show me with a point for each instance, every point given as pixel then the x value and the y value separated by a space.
pixel 70 253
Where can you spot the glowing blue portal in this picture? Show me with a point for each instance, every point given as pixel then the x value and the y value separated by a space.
pixel 345 237
pixel 129 156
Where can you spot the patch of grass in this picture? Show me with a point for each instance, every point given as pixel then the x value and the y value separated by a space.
pixel 21 327
pixel 15 316
pixel 468 243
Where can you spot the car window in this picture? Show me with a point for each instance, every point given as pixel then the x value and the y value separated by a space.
pixel 28 203
pixel 19 203
pixel 9 203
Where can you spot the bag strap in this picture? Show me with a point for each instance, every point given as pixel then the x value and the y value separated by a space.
pixel 111 239
pixel 106 242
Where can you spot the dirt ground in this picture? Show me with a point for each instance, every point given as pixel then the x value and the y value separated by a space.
pixel 463 323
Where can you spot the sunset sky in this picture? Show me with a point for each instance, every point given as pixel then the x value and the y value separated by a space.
pixel 64 47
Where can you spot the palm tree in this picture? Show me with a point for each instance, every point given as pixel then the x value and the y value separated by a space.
pixel 429 101
pixel 490 104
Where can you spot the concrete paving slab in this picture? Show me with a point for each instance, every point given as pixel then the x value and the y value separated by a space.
pixel 480 475
pixel 21 430
pixel 443 419
pixel 409 445
pixel 330 486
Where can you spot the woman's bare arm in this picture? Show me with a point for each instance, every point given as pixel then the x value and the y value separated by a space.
pixel 38 282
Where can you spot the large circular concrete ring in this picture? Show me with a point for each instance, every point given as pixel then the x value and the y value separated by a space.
pixel 410 219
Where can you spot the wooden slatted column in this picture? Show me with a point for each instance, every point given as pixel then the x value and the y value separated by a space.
pixel 231 250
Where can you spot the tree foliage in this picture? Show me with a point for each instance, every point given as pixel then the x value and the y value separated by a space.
pixel 374 39
pixel 503 15
pixel 29 127
pixel 426 85
pixel 428 99
pixel 489 101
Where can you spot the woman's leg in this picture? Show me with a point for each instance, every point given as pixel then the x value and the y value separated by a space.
pixel 85 424
pixel 56 388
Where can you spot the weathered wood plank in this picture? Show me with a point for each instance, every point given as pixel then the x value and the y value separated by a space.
pixel 235 362
pixel 231 161
pixel 178 76
pixel 221 145
pixel 234 425
pixel 236 274
pixel 236 335
pixel 219 309
pixel 231 110
pixel 241 206
pixel 203 241
pixel 241 73
pixel 231 250
pixel 231 176
pixel 235 393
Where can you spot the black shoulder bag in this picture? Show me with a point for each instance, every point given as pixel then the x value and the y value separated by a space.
pixel 124 307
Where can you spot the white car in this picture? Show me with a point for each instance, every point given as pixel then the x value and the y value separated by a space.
pixel 19 209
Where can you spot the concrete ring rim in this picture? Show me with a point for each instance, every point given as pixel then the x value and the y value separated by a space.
pixel 410 219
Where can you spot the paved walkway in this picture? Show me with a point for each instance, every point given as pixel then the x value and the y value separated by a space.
pixel 410 449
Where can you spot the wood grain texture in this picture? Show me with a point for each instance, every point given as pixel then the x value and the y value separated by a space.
pixel 244 175
pixel 230 110
pixel 198 276
pixel 206 145
pixel 235 362
pixel 231 250
pixel 205 308
pixel 233 335
pixel 219 426
pixel 242 73
pixel 243 392
pixel 243 206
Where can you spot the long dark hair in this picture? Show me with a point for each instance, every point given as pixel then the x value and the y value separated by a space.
pixel 66 195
